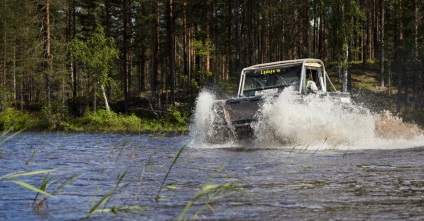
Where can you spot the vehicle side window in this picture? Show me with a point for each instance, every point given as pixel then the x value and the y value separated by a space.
pixel 313 75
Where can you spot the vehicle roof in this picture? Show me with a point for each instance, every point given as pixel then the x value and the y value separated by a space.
pixel 284 63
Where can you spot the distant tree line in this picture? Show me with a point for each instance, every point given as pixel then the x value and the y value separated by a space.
pixel 68 55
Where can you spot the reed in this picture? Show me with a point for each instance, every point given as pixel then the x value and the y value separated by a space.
pixel 126 143
pixel 293 148
pixel 37 204
pixel 22 174
pixel 31 158
pixel 210 192
pixel 169 170
pixel 96 208
pixel 5 137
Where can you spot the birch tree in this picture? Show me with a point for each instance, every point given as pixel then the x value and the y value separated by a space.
pixel 97 54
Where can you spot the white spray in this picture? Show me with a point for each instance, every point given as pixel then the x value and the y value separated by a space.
pixel 312 124
pixel 202 118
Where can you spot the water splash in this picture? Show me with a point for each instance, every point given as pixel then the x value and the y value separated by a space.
pixel 311 121
pixel 309 124
pixel 202 117
pixel 202 130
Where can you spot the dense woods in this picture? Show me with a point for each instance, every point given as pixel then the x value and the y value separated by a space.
pixel 67 56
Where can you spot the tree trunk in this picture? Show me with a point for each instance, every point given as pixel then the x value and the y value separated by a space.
pixel 403 75
pixel 171 50
pixel 229 35
pixel 126 53
pixel 365 33
pixel 102 88
pixel 95 96
pixel 264 21
pixel 237 32
pixel 14 73
pixel 185 47
pixel 141 69
pixel 73 66
pixel 4 51
pixel 295 35
pixel 321 33
pixel 208 34
pixel 155 52
pixel 416 69
pixel 399 95
pixel 305 29
pixel 345 66
pixel 47 52
pixel 382 71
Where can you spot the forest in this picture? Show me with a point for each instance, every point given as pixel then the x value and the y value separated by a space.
pixel 65 59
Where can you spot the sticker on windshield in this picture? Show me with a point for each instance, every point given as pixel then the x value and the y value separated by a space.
pixel 267 91
pixel 270 71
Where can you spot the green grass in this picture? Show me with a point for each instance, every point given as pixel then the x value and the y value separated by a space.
pixel 175 120
pixel 364 77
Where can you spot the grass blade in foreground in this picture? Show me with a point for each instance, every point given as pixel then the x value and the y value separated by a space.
pixel 105 199
pixel 169 170
pixel 33 188
pixel 19 174
pixel 208 190
pixel 9 137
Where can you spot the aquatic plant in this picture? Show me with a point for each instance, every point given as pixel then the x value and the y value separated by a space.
pixel 47 181
pixel 22 173
pixel 126 143
pixel 210 192
pixel 31 158
pixel 37 204
pixel 108 196
pixel 5 137
pixel 169 170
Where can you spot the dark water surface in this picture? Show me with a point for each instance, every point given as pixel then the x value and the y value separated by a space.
pixel 277 184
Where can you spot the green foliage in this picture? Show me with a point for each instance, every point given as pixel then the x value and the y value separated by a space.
pixel 90 43
pixel 5 99
pixel 97 53
pixel 178 115
pixel 108 120
pixel 345 19
pixel 176 119
pixel 203 48
pixel 14 120
pixel 46 119
pixel 194 84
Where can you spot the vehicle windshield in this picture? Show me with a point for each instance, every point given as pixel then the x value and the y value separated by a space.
pixel 271 78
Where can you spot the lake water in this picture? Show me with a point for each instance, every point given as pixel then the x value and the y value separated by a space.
pixel 258 182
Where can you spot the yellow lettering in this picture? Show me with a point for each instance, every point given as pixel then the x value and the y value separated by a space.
pixel 271 71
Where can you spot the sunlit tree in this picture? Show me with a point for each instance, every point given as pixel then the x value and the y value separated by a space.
pixel 97 54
